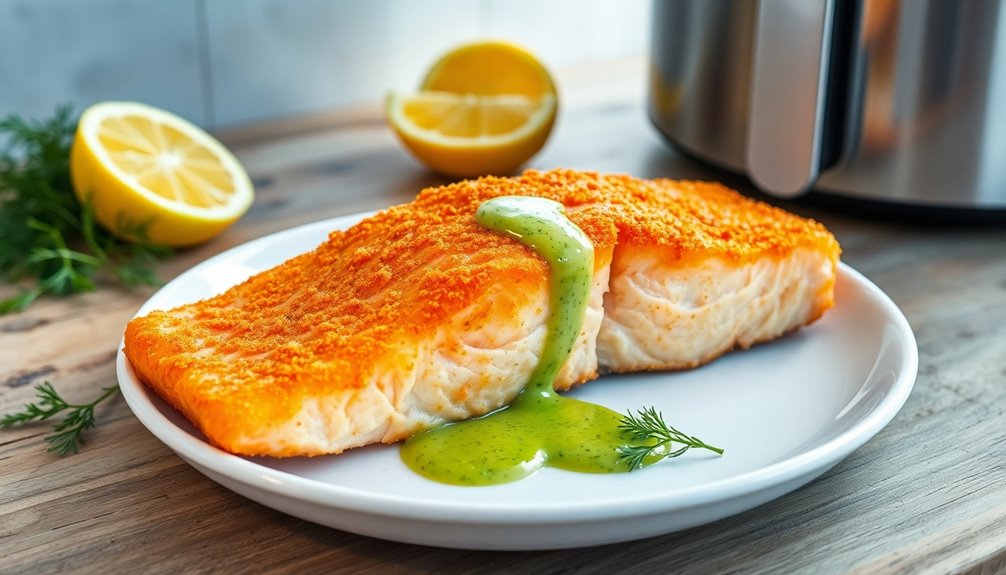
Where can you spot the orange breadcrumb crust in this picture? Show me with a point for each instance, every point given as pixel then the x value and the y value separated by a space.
pixel 323 321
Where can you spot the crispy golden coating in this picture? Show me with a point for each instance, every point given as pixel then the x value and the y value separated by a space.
pixel 322 322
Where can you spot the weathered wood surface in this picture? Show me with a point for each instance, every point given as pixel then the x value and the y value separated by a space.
pixel 928 494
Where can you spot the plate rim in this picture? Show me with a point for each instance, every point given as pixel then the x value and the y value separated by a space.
pixel 288 485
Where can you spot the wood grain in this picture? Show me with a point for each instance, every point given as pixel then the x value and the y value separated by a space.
pixel 928 494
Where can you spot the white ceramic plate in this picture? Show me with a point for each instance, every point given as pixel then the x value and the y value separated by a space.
pixel 785 412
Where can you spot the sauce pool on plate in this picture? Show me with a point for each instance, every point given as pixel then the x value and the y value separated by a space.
pixel 540 427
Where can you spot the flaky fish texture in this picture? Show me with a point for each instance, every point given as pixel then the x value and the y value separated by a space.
pixel 417 315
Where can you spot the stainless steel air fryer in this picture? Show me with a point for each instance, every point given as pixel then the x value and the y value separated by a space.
pixel 898 101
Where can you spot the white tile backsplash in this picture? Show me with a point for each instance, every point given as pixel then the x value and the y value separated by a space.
pixel 274 58
pixel 570 32
pixel 223 63
pixel 85 51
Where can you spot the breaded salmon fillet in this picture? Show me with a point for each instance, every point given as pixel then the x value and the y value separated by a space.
pixel 417 315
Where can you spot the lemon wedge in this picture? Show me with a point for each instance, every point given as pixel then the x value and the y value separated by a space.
pixel 154 176
pixel 484 108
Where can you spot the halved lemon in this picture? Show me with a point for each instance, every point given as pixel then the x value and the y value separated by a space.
pixel 154 176
pixel 468 135
pixel 484 108
pixel 489 67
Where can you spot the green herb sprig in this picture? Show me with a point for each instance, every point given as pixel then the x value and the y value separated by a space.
pixel 651 434
pixel 49 240
pixel 68 434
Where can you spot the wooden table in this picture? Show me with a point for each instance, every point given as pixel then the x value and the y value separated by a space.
pixel 928 494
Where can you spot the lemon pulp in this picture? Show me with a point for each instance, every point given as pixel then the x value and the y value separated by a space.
pixel 154 176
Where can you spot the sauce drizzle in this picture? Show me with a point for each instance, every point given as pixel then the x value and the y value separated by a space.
pixel 539 428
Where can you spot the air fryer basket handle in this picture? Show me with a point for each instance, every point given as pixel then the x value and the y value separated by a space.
pixel 790 70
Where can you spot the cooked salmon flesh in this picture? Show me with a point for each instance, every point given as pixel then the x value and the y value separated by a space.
pixel 417 315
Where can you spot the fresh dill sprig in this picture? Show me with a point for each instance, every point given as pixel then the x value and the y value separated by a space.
pixel 50 241
pixel 650 434
pixel 68 434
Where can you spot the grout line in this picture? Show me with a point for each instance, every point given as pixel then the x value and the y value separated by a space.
pixel 484 25
pixel 205 62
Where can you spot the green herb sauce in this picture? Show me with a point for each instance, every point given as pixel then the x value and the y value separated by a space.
pixel 539 428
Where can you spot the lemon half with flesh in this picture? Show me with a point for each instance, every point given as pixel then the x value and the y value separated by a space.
pixel 484 108
pixel 154 176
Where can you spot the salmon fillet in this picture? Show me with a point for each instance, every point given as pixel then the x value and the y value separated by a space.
pixel 417 315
